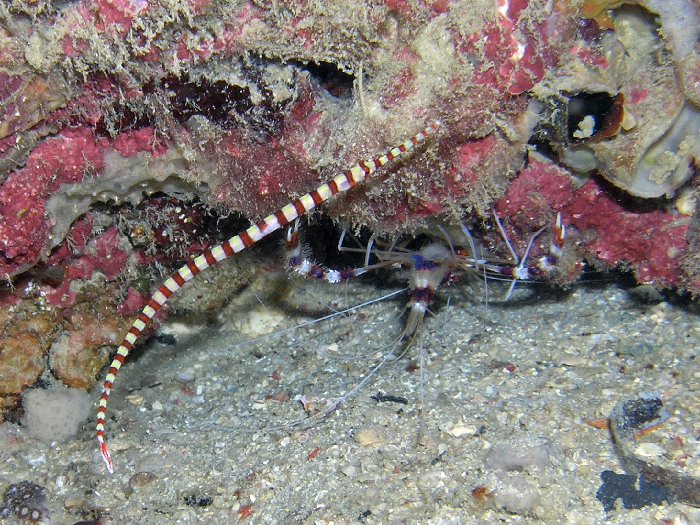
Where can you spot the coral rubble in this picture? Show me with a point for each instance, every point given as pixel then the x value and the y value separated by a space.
pixel 25 501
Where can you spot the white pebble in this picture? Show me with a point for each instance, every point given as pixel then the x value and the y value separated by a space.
pixel 185 376
pixel 460 429
pixel 36 460
pixel 349 470
pixel 650 450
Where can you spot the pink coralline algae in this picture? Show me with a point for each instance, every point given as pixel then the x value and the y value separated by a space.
pixel 610 230
pixel 25 228
pixel 246 103
pixel 102 253
pixel 115 114
pixel 516 48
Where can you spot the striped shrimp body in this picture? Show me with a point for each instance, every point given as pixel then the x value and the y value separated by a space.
pixel 433 266
pixel 235 244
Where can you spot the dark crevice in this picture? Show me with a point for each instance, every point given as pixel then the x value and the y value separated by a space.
pixel 185 96
pixel 605 110
pixel 330 77
pixel 217 101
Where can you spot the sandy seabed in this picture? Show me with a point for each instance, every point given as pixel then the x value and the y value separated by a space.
pixel 214 428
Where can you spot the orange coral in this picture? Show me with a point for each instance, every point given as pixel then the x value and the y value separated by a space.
pixel 24 335
pixel 78 355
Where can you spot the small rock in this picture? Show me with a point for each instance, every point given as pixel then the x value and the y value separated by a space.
pixel 634 492
pixel 349 470
pixel 26 501
pixel 650 450
pixel 370 436
pixel 55 415
pixel 141 479
pixel 460 429
pixel 185 376
pixel 520 456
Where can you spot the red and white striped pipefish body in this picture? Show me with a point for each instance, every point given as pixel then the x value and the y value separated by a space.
pixel 243 240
